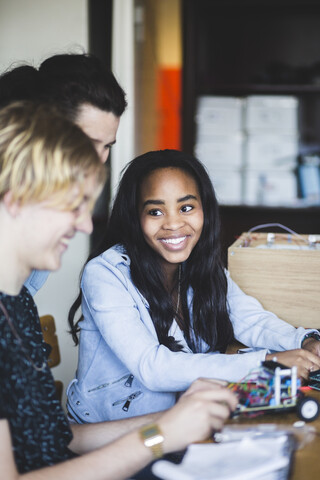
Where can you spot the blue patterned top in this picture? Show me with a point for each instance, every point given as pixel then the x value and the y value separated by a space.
pixel 39 429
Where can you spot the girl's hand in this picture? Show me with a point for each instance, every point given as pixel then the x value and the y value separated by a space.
pixel 201 410
pixel 304 360
pixel 312 345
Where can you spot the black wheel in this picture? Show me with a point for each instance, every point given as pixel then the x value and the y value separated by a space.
pixel 308 409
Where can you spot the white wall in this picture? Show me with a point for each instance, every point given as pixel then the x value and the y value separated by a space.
pixel 31 30
pixel 123 69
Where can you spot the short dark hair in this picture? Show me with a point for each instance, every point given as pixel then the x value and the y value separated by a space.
pixel 74 79
pixel 20 83
pixel 68 81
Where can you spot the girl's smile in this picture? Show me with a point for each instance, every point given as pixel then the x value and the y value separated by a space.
pixel 171 214
pixel 174 243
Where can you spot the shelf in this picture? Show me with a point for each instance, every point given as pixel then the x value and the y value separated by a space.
pixel 313 210
pixel 231 48
pixel 208 88
pixel 246 47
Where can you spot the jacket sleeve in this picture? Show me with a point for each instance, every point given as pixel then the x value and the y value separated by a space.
pixel 256 327
pixel 112 305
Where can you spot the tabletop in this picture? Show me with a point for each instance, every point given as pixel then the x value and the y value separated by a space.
pixel 306 462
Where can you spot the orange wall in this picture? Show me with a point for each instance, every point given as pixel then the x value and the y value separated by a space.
pixel 158 76
pixel 168 90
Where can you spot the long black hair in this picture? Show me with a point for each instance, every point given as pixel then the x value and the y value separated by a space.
pixel 203 271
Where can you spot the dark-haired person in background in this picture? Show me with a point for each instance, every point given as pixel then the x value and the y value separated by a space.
pixel 83 90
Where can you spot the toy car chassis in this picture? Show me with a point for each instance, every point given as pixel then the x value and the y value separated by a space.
pixel 273 387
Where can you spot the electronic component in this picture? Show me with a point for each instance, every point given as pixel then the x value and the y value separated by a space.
pixel 274 387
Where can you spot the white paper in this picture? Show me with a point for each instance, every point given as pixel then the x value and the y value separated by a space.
pixel 248 459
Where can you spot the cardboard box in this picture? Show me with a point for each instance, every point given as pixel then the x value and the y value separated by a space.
pixel 283 275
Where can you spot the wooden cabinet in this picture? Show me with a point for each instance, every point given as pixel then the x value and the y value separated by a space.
pixel 240 48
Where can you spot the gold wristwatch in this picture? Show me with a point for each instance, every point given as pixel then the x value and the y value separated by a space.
pixel 152 438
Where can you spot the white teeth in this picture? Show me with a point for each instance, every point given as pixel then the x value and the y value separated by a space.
pixel 174 241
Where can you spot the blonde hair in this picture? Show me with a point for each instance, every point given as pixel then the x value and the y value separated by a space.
pixel 43 155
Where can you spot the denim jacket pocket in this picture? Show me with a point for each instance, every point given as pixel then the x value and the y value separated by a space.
pixel 108 400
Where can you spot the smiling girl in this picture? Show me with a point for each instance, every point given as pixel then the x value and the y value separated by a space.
pixel 159 309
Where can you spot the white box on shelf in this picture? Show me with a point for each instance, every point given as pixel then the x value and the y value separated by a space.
pixel 219 115
pixel 270 188
pixel 271 112
pixel 227 185
pixel 270 151
pixel 221 151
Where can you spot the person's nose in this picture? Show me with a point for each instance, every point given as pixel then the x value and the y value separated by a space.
pixel 84 223
pixel 104 156
pixel 173 221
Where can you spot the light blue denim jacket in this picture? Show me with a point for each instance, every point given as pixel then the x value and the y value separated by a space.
pixel 35 281
pixel 123 371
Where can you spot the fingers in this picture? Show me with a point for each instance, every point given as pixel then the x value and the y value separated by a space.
pixel 205 383
pixel 312 345
pixel 197 415
pixel 300 358
pixel 303 373
pixel 213 381
pixel 218 411
pixel 220 395
pixel 312 368
pixel 216 404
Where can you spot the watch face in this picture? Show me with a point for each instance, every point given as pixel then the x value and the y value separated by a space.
pixel 150 431
pixel 152 438
pixel 151 442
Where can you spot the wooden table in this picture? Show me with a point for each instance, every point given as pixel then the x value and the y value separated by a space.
pixel 306 460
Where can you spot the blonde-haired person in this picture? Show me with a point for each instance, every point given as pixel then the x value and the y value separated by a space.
pixel 50 176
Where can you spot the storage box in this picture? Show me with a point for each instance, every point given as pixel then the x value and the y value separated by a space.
pixel 269 151
pixel 219 115
pixel 271 112
pixel 227 185
pixel 221 151
pixel 270 188
pixel 284 275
